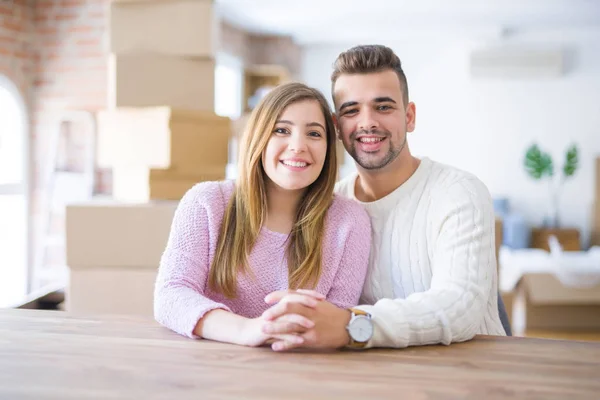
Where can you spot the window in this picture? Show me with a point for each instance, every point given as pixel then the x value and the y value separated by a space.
pixel 13 196
pixel 228 86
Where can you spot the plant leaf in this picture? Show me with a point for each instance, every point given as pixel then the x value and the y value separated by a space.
pixel 571 161
pixel 537 163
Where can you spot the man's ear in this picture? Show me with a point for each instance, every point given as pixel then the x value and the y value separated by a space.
pixel 411 117
pixel 336 124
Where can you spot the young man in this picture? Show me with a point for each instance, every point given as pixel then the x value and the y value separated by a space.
pixel 432 272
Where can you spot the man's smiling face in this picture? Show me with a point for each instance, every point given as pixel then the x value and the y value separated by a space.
pixel 372 119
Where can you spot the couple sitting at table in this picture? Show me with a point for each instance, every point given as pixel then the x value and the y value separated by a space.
pixel 402 254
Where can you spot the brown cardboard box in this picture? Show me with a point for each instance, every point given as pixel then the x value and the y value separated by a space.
pixel 498 232
pixel 113 253
pixel 162 137
pixel 542 302
pixel 171 185
pixel 175 27
pixel 117 291
pixel 507 297
pixel 597 178
pixel 595 228
pixel 144 80
pixel 143 184
pixel 568 238
pixel 114 234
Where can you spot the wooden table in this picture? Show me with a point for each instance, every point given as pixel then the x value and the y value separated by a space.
pixel 53 355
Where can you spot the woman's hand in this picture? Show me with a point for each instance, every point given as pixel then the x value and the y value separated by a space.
pixel 252 332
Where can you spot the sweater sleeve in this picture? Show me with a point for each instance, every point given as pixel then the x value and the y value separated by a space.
pixel 350 277
pixel 179 300
pixel 463 268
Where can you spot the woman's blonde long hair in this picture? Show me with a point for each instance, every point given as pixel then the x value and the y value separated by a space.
pixel 247 209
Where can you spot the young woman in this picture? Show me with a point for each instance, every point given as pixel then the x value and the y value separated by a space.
pixel 278 226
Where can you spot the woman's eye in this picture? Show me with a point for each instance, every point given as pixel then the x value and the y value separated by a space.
pixel 315 134
pixel 280 130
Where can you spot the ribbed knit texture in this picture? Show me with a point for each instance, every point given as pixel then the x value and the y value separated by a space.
pixel 182 295
pixel 432 270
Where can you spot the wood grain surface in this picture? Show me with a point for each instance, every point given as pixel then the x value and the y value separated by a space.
pixel 55 355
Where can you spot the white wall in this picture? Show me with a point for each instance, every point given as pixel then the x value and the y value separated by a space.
pixel 485 126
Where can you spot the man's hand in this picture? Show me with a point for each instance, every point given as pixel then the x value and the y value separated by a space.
pixel 329 331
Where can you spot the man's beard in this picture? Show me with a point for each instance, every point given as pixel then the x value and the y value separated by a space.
pixel 365 161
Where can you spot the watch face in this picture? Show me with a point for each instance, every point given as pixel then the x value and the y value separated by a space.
pixel 361 329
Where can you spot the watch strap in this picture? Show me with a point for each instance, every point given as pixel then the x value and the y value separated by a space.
pixel 354 344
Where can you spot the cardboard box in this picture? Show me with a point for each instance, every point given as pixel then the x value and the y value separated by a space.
pixel 508 299
pixel 595 228
pixel 569 238
pixel 498 226
pixel 143 184
pixel 172 185
pixel 175 27
pixel 143 80
pixel 542 302
pixel 117 291
pixel 113 254
pixel 162 137
pixel 597 178
pixel 131 184
pixel 113 234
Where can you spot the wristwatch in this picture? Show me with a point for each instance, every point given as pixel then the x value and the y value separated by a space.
pixel 360 329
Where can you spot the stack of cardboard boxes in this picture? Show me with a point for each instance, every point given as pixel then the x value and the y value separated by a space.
pixel 159 136
pixel 595 238
pixel 113 251
pixel 161 81
pixel 162 53
pixel 160 152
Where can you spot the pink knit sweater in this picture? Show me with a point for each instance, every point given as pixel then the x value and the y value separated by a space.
pixel 182 295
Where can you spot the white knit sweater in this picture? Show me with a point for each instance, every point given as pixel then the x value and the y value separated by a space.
pixel 432 269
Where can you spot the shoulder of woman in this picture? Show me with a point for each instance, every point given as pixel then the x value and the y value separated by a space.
pixel 209 193
pixel 348 212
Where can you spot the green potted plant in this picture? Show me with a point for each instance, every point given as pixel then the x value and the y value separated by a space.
pixel 539 165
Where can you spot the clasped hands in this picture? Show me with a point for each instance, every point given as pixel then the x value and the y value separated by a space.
pixel 300 318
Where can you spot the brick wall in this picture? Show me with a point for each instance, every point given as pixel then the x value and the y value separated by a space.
pixel 17 60
pixel 72 64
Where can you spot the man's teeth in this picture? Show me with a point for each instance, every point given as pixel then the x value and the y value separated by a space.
pixel 298 164
pixel 370 140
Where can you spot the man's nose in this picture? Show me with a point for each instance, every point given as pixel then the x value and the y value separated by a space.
pixel 367 121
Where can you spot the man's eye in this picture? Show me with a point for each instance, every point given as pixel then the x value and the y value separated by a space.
pixel 350 112
pixel 383 108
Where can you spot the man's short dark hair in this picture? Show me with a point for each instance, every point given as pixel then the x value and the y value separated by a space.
pixel 369 59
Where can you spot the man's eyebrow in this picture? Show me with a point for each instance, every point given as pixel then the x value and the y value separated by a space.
pixel 384 100
pixel 348 104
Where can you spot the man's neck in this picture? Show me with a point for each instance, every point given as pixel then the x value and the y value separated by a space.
pixel 373 185
pixel 281 208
